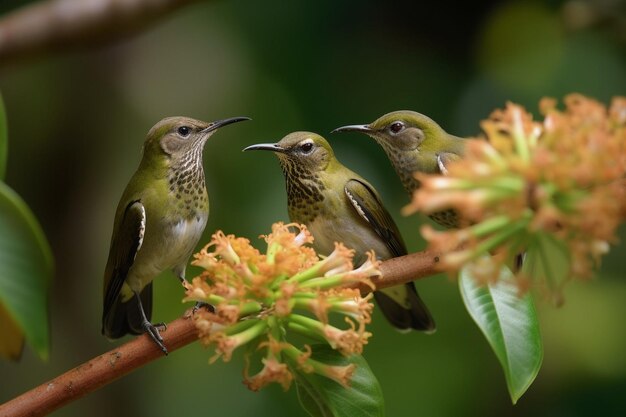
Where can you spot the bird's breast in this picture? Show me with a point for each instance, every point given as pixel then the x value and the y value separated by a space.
pixel 353 233
pixel 183 237
pixel 166 246
pixel 305 197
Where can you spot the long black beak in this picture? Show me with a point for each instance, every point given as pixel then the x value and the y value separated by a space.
pixel 265 147
pixel 220 123
pixel 353 128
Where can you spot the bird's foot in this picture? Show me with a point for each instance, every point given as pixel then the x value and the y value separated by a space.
pixel 153 331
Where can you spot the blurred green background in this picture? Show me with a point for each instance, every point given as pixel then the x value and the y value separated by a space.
pixel 77 121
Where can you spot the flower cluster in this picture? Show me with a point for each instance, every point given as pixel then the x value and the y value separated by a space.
pixel 259 299
pixel 559 182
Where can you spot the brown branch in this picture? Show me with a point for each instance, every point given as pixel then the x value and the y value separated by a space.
pixel 407 268
pixel 98 372
pixel 118 362
pixel 57 24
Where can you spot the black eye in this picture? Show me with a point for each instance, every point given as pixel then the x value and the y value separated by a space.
pixel 396 127
pixel 184 131
pixel 306 147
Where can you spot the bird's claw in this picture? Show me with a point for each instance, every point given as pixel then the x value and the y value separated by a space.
pixel 153 331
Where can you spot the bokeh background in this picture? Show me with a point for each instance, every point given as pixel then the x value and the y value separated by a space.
pixel 77 120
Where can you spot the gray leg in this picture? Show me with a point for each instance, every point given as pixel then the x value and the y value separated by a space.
pixel 151 329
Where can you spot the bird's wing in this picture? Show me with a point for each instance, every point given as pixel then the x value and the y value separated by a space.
pixel 444 159
pixel 368 205
pixel 126 242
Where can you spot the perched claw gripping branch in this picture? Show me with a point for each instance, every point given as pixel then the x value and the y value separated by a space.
pixel 260 299
pixel 530 184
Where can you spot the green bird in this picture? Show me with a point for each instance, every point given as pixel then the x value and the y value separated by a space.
pixel 338 205
pixel 414 143
pixel 159 220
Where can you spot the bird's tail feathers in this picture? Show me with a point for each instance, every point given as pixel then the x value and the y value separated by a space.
pixel 409 312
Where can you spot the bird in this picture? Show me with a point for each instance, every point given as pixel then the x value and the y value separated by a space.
pixel 413 143
pixel 338 205
pixel 159 220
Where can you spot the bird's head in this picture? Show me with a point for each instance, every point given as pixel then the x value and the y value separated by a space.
pixel 400 130
pixel 178 136
pixel 304 150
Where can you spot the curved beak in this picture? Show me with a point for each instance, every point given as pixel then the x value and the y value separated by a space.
pixel 220 123
pixel 354 128
pixel 265 147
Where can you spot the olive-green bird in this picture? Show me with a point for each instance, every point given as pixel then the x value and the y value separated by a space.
pixel 337 205
pixel 158 223
pixel 414 143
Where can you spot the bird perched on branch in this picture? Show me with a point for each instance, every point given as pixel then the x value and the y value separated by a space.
pixel 159 220
pixel 338 205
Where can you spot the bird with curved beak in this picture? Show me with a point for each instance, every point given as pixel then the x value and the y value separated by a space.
pixel 159 220
pixel 414 143
pixel 338 205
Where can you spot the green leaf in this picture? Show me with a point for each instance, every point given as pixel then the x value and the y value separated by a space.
pixel 310 398
pixel 25 270
pixel 3 140
pixel 510 324
pixel 323 397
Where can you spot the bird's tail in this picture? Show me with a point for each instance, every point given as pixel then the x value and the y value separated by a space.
pixel 125 316
pixel 404 308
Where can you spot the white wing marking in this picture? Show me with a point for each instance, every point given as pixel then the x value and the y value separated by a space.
pixel 356 205
pixel 441 165
pixel 142 226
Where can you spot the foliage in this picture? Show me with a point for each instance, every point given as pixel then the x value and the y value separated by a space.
pixel 554 190
pixel 25 271
pixel 509 322
pixel 322 397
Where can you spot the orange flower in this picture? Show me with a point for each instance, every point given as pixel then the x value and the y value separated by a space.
pixel 258 298
pixel 563 176
pixel 273 371
pixel 350 341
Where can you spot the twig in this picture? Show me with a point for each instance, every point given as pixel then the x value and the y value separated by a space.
pixel 118 362
pixel 98 372
pixel 407 268
pixel 56 24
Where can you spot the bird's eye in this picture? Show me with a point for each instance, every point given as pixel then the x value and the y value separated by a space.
pixel 184 131
pixel 306 147
pixel 396 127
